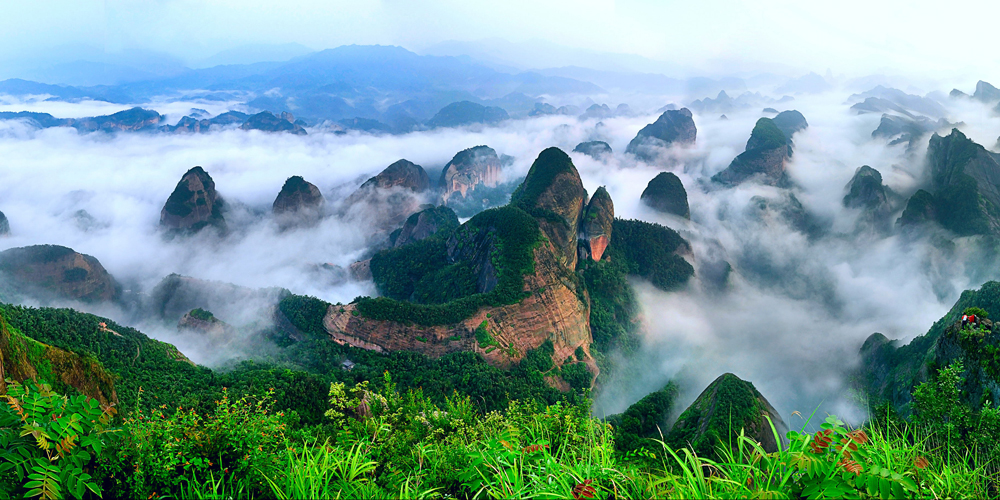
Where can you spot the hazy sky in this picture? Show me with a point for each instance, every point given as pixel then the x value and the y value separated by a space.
pixel 851 36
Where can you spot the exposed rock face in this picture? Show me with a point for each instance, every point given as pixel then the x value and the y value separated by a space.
pixel 551 312
pixel 666 194
pixel 598 221
pixel 49 271
pixel 298 202
pixel 593 149
pixel 553 193
pixel 267 122
pixel 865 191
pixel 361 270
pixel 462 113
pixel 986 93
pixel 4 225
pixel 21 356
pixel 194 204
pixel 889 371
pixel 727 403
pixel 424 224
pixel 764 158
pixel 965 181
pixel 123 121
pixel 672 127
pixel 470 168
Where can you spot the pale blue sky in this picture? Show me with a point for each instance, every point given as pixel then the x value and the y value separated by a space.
pixel 849 36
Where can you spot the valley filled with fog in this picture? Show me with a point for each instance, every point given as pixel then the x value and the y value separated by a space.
pixel 791 316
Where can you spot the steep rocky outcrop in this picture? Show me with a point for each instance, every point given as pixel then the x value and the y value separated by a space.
pixel 462 113
pixel 902 129
pixel 763 161
pixel 268 122
pixel 593 149
pixel 206 324
pixel 553 193
pixel 299 202
pixel 597 224
pixel 23 358
pixel 965 182
pixel 889 372
pixel 986 93
pixel 48 272
pixel 666 194
pixel 194 204
pixel 4 225
pixel 470 168
pixel 866 192
pixel 672 127
pixel 403 174
pixel 726 406
pixel 789 122
pixel 393 195
pixel 424 224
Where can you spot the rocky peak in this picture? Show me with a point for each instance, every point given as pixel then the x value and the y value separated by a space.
pixel 965 179
pixel 790 122
pixel 267 122
pixel 672 127
pixel 470 168
pixel 129 120
pixel 194 204
pixel 298 201
pixel 424 224
pixel 598 221
pixel 593 149
pixel 50 271
pixel 666 194
pixel 764 159
pixel 4 225
pixel 919 209
pixel 553 193
pixel 404 174
pixel 986 93
pixel 727 405
pixel 865 191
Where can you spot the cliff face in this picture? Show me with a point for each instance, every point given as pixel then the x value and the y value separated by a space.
pixel 470 168
pixel 866 192
pixel 22 358
pixel 763 161
pixel 4 225
pixel 49 271
pixel 424 224
pixel 552 311
pixel 965 181
pixel 553 193
pixel 727 403
pixel 194 204
pixel 598 221
pixel 672 127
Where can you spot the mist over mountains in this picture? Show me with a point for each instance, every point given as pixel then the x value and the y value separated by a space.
pixel 793 267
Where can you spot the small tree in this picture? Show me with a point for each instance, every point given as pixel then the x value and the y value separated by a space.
pixel 47 439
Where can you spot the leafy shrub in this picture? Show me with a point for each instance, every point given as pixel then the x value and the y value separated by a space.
pixel 51 441
pixel 239 438
pixel 202 314
pixel 577 375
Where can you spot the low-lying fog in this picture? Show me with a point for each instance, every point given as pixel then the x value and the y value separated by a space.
pixel 791 321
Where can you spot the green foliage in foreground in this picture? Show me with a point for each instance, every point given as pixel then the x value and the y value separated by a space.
pixel 383 443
